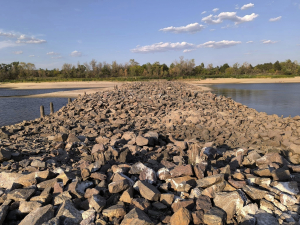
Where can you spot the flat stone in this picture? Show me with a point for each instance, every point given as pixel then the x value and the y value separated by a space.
pixel 210 180
pixel 27 207
pixel 141 203
pixel 230 202
pixel 20 194
pixel 198 217
pixel 287 187
pixel 136 216
pixel 38 164
pixel 167 198
pixel 212 190
pixel 159 205
pixel 148 191
pixel 9 180
pixel 39 216
pixel 254 193
pixel 181 217
pixel 117 211
pixel 5 155
pixel 141 141
pixel 184 170
pixel 186 203
pixel 127 195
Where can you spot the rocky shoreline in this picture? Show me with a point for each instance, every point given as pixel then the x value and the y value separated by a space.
pixel 151 153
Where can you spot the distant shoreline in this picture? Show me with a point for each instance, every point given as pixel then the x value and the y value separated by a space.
pixel 89 87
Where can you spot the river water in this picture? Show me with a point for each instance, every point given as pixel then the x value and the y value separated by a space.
pixel 279 98
pixel 14 109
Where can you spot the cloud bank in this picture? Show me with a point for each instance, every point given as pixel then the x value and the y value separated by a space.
pixel 247 6
pixel 231 16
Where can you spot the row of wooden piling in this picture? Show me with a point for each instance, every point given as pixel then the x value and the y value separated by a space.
pixel 42 110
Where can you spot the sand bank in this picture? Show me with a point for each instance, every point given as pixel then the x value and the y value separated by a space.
pixel 85 86
pixel 204 84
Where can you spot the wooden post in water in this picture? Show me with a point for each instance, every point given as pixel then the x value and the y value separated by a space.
pixel 69 100
pixel 42 112
pixel 51 108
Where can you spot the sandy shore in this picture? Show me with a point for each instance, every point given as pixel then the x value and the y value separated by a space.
pixel 204 84
pixel 87 86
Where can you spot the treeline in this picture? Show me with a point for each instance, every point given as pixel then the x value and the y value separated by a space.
pixel 178 69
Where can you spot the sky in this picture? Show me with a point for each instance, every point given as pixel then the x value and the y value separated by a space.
pixel 50 33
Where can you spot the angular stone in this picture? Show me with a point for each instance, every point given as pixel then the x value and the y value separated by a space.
pixel 59 199
pixel 136 216
pixel 214 216
pixel 98 176
pixel 127 195
pixel 69 213
pixel 141 203
pixel 9 180
pixel 254 193
pixel 203 203
pixel 281 175
pixel 209 181
pixel 116 211
pixel 137 168
pixel 44 197
pixel 175 182
pixel 47 183
pixel 167 199
pixel 237 184
pixel 20 194
pixel 159 205
pixel 148 191
pixel 39 216
pixel 97 202
pixel 287 187
pixel 230 202
pixel 90 192
pixel 181 217
pixel 27 207
pixel 118 186
pixel 186 203
pixel 212 190
pixel 148 175
pixel 184 170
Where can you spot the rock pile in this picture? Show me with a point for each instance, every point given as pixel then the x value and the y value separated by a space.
pixel 151 153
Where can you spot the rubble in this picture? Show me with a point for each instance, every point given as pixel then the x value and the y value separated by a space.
pixel 151 153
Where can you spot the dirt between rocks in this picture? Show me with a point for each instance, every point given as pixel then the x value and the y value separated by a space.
pixel 151 153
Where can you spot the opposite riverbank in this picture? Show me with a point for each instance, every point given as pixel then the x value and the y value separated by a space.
pixel 90 87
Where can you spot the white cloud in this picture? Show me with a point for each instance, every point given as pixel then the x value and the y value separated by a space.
pixel 220 44
pixel 76 54
pixel 275 19
pixel 188 50
pixel 31 56
pixel 249 42
pixel 6 44
pixel 190 28
pixel 269 42
pixel 18 52
pixel 162 47
pixel 247 6
pixel 211 19
pixel 203 12
pixel 233 17
pixel 53 53
pixel 215 10
pixel 229 16
pixel 22 38
pixel 186 47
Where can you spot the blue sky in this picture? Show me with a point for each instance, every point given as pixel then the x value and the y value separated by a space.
pixel 50 33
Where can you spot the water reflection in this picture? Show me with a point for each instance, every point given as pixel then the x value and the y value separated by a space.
pixel 280 99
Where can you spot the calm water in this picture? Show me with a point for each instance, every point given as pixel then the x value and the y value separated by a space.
pixel 280 98
pixel 14 109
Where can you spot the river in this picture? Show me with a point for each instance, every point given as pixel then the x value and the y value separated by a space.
pixel 278 98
